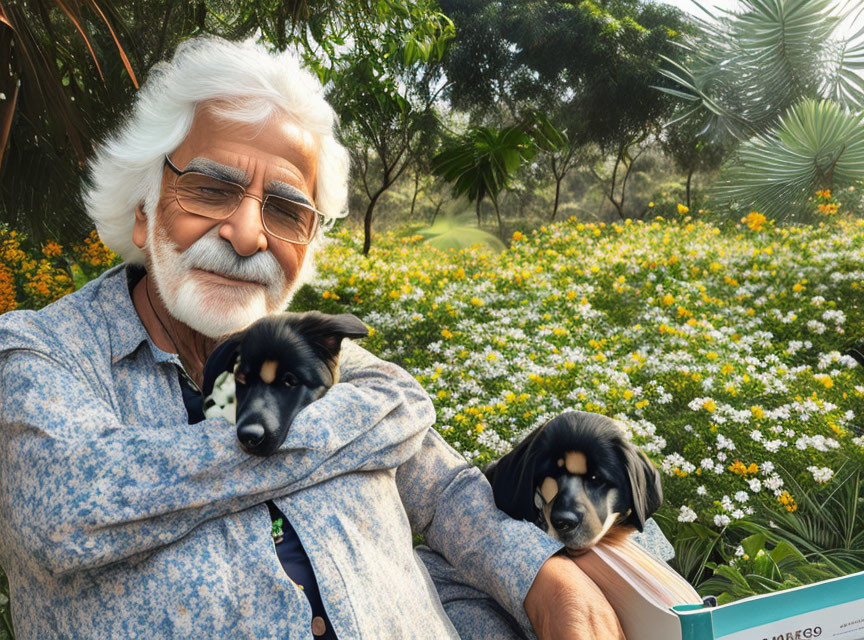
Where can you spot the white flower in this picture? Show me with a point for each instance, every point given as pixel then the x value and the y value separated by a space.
pixel 739 551
pixel 701 490
pixel 774 482
pixel 742 496
pixel 816 327
pixel 721 520
pixel 755 485
pixel 821 474
pixel 686 514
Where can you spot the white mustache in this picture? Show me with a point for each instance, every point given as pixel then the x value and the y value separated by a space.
pixel 212 253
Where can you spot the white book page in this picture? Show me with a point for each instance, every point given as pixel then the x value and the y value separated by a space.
pixel 640 618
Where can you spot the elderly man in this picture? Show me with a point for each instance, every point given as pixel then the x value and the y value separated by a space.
pixel 124 514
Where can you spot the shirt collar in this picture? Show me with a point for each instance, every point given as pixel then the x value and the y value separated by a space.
pixel 125 328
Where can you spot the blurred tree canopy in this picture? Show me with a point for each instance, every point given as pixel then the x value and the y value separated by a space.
pixel 589 66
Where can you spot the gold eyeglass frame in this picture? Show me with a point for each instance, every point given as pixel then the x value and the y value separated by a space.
pixel 320 219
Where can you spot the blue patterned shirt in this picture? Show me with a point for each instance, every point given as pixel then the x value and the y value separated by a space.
pixel 119 519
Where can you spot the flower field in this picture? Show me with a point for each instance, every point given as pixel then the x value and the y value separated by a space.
pixel 722 349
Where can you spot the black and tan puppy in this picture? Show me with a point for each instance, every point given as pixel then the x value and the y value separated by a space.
pixel 280 364
pixel 578 479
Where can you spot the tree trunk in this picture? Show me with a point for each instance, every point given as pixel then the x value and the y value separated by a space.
pixel 500 224
pixel 367 222
pixel 416 191
pixel 435 213
pixel 478 212
pixel 689 178
pixel 557 197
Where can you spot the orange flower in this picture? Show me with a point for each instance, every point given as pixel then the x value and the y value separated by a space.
pixel 52 249
pixel 7 290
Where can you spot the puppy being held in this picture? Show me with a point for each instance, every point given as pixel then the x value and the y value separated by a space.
pixel 263 376
pixel 579 479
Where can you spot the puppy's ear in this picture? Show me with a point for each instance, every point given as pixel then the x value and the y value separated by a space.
pixel 324 332
pixel 221 359
pixel 644 485
pixel 512 476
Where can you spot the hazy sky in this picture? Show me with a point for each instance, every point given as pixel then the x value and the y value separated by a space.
pixel 690 7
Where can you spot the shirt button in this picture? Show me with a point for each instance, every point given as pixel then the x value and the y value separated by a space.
pixel 318 626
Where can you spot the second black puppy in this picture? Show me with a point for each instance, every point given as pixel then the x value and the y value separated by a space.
pixel 578 479
pixel 280 364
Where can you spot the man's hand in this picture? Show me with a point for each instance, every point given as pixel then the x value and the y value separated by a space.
pixel 563 603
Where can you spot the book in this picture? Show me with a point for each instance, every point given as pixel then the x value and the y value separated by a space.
pixel 653 602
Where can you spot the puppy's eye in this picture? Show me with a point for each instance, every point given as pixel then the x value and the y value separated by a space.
pixel 239 378
pixel 595 479
pixel 290 380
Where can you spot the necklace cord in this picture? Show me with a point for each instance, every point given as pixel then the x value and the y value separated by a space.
pixel 150 300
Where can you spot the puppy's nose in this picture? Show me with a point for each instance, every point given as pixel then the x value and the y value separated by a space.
pixel 566 520
pixel 250 435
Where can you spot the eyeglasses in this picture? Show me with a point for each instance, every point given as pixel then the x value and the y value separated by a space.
pixel 204 195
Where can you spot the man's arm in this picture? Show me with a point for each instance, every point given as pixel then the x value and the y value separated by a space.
pixel 451 504
pixel 80 490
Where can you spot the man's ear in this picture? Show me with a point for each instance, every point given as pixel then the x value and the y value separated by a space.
pixel 139 229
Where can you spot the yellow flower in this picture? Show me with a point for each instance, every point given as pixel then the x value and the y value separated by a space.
pixel 758 412
pixel 709 405
pixel 517 235
pixel 477 302
pixel 668 299
pixel 446 334
pixel 651 205
pixel 682 209
pixel 826 380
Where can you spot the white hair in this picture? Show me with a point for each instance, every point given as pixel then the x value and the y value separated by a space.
pixel 252 84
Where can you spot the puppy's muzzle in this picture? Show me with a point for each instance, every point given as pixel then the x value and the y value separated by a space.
pixel 565 520
pixel 260 429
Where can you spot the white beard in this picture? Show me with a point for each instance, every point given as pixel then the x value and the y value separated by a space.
pixel 212 309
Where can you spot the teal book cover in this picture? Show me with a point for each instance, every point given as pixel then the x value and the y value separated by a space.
pixel 829 610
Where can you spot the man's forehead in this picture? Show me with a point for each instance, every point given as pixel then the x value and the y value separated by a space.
pixel 233 150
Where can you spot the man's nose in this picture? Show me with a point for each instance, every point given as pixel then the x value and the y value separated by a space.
pixel 244 228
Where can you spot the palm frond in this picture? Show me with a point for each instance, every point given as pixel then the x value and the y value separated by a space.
pixel 816 144
pixel 746 68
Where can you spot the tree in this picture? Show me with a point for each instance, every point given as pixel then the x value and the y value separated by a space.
pixel 693 153
pixel 588 66
pixel 385 89
pixel 776 76
pixel 482 161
